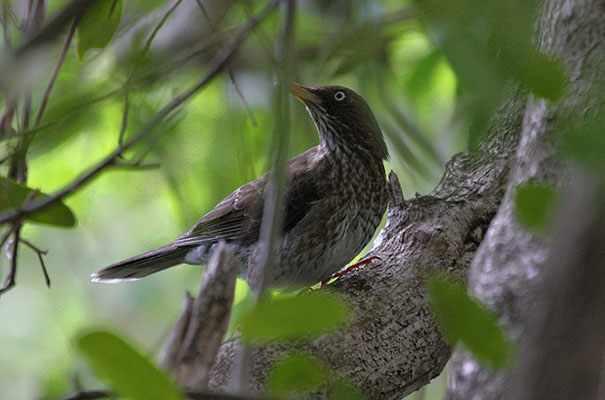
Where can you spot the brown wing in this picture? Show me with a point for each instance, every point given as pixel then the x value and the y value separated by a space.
pixel 238 217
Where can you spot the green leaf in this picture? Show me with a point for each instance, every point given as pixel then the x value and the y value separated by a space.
pixel 14 194
pixel 585 141
pixel 297 374
pixel 341 390
pixel 535 205
pixel 129 374
pixel 98 25
pixel 462 318
pixel 542 75
pixel 299 317
pixel 420 79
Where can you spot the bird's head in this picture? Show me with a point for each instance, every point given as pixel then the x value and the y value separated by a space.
pixel 343 118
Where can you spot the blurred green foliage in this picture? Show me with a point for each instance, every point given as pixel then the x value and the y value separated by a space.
pixel 304 316
pixel 429 72
pixel 97 26
pixel 128 373
pixel 296 375
pixel 13 194
pixel 535 205
pixel 464 319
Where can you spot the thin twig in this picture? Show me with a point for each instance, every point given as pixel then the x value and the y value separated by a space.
pixel 215 67
pixel 74 9
pixel 9 282
pixel 7 117
pixel 227 68
pixel 265 41
pixel 5 237
pixel 53 78
pixel 138 165
pixel 39 253
pixel 124 124
pixel 27 107
pixel 145 50
pixel 157 28
pixel 8 48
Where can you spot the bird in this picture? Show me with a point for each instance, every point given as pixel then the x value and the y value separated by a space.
pixel 336 196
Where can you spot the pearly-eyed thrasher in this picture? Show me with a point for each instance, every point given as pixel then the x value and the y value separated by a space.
pixel 335 197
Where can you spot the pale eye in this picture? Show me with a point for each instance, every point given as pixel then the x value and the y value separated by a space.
pixel 339 96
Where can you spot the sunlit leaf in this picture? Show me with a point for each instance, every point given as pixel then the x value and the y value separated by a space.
pixel 239 309
pixel 299 317
pixel 462 318
pixel 535 204
pixel 14 194
pixel 420 78
pixel 488 43
pixel 296 374
pixel 98 25
pixel 129 374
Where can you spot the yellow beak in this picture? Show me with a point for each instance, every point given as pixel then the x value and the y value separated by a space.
pixel 304 94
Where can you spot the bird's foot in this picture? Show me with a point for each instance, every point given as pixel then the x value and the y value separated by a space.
pixel 349 268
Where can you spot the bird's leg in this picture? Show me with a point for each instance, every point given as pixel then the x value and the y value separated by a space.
pixel 349 268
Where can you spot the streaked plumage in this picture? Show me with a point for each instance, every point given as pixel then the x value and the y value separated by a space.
pixel 336 196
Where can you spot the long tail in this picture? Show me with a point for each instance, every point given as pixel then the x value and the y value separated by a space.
pixel 142 265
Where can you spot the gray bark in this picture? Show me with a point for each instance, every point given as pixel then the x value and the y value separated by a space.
pixel 199 332
pixel 511 270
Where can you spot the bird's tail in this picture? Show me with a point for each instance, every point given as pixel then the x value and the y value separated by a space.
pixel 142 265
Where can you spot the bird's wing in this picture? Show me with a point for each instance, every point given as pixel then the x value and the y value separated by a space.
pixel 238 217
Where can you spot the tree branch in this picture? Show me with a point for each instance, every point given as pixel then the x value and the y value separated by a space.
pixel 73 10
pixel 228 69
pixel 40 253
pixel 9 282
pixel 45 97
pixel 215 67
pixel 511 266
pixel 197 336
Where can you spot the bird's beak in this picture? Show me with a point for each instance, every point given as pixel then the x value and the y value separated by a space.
pixel 304 94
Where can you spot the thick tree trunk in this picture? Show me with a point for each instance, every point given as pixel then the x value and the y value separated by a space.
pixel 515 272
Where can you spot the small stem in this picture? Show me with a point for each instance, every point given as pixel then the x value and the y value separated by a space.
pixel 9 282
pixel 227 68
pixel 215 67
pixel 53 78
pixel 157 28
pixel 6 30
pixel 124 117
pixel 39 253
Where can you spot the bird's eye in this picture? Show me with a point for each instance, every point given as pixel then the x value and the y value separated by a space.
pixel 339 96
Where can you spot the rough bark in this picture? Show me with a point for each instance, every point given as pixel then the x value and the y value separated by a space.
pixel 393 348
pixel 199 332
pixel 510 268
